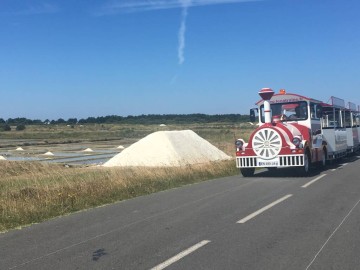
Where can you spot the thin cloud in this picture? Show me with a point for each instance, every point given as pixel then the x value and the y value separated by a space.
pixel 141 5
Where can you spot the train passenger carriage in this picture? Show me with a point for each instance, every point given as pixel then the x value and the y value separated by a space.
pixel 333 128
pixel 352 125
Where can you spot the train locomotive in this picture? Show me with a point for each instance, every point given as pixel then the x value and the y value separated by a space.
pixel 297 131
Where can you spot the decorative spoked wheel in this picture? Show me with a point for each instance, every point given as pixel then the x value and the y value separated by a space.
pixel 266 143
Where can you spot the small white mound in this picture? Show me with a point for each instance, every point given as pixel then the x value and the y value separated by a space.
pixel 88 150
pixel 120 147
pixel 168 148
pixel 19 149
pixel 48 154
pixel 162 125
pixel 2 158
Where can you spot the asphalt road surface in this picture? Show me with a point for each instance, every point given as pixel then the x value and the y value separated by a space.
pixel 270 221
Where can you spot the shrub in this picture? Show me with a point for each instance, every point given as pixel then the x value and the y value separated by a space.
pixel 20 127
pixel 5 127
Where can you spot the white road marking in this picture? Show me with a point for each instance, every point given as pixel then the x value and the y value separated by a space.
pixel 337 228
pixel 180 255
pixel 341 165
pixel 313 181
pixel 258 212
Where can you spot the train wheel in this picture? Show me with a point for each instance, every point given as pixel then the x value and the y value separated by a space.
pixel 247 172
pixel 322 163
pixel 305 170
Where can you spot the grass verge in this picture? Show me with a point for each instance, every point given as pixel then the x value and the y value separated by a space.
pixel 33 192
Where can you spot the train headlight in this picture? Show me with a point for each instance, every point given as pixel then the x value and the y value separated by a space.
pixel 239 144
pixel 297 142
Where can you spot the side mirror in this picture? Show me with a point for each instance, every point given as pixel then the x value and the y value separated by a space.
pixel 253 114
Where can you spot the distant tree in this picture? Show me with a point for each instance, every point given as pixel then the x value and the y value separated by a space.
pixel 91 120
pixel 60 121
pixel 72 121
pixel 5 127
pixel 139 119
pixel 82 121
pixel 36 122
pixel 20 127
pixel 18 120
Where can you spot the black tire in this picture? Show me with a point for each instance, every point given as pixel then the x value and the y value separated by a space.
pixel 305 170
pixel 323 162
pixel 247 172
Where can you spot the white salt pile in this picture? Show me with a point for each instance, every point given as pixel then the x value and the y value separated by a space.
pixel 88 150
pixel 168 148
pixel 2 158
pixel 19 149
pixel 48 154
pixel 120 147
pixel 162 125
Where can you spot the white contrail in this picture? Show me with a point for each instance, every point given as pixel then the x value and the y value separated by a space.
pixel 182 30
pixel 148 5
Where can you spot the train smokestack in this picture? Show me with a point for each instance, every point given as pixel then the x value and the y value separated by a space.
pixel 266 94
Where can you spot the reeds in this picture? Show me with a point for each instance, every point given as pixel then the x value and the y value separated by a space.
pixel 32 192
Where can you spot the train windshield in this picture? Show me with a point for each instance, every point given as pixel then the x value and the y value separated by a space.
pixel 290 111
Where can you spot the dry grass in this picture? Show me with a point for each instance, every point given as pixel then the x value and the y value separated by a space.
pixel 32 192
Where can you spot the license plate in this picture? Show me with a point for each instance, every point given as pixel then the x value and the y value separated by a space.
pixel 268 163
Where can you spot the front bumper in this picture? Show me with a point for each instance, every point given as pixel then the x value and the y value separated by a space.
pixel 279 161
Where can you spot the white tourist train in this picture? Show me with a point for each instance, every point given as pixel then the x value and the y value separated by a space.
pixel 297 131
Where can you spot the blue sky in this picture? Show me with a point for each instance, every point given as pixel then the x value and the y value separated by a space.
pixel 62 59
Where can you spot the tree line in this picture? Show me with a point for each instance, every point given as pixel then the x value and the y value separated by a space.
pixel 140 119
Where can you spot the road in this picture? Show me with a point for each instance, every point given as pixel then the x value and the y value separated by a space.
pixel 270 221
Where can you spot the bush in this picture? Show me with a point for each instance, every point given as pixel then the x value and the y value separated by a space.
pixel 5 127
pixel 20 127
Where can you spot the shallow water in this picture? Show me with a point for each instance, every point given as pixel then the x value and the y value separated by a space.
pixel 22 158
pixel 86 159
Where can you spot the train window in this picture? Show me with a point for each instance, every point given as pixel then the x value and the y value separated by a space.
pixel 338 120
pixel 357 120
pixel 328 120
pixel 332 118
pixel 290 111
pixel 294 111
pixel 254 114
pixel 347 123
pixel 315 111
